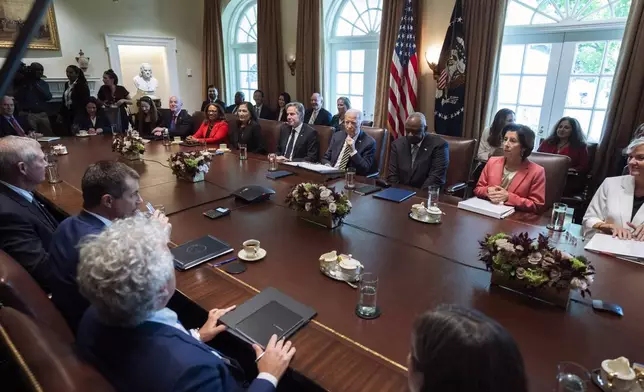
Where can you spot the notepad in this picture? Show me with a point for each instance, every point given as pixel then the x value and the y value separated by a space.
pixel 367 189
pixel 47 139
pixel 604 243
pixel 316 167
pixel 487 208
pixel 278 174
pixel 394 194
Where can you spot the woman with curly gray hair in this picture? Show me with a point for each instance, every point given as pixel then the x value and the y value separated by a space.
pixel 127 274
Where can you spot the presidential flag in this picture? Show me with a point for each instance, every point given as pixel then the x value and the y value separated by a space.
pixel 450 87
pixel 403 71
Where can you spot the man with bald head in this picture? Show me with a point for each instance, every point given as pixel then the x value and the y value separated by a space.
pixel 176 120
pixel 316 114
pixel 419 158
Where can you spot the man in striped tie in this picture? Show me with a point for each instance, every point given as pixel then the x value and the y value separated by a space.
pixel 351 147
pixel 10 124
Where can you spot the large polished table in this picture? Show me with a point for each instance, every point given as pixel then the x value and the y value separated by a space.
pixel 419 266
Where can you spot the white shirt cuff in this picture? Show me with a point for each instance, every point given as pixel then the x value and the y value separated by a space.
pixel 268 377
pixel 353 152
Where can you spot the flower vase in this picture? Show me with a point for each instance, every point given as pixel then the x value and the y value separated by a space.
pixel 196 178
pixel 325 221
pixel 550 295
pixel 132 156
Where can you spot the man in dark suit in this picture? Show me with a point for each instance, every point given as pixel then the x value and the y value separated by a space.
pixel 26 226
pixel 239 98
pixel 298 141
pixel 419 159
pixel 317 115
pixel 213 97
pixel 10 124
pixel 134 340
pixel 110 191
pixel 261 110
pixel 351 147
pixel 176 119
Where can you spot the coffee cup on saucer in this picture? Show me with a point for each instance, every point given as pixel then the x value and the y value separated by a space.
pixel 348 264
pixel 223 146
pixel 251 247
pixel 177 139
pixel 618 375
pixel 419 211
pixel 82 133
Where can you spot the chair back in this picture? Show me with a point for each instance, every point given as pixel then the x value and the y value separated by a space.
pixel 381 137
pixel 198 118
pixel 230 117
pixel 114 117
pixel 44 361
pixel 270 134
pixel 20 291
pixel 556 167
pixel 461 157
pixel 324 136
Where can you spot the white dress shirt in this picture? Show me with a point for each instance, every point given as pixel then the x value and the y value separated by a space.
pixel 314 115
pixel 26 194
pixel 344 146
pixel 279 115
pixel 297 133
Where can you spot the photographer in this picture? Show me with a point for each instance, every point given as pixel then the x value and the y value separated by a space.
pixel 32 93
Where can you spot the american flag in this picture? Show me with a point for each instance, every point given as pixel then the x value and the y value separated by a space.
pixel 403 70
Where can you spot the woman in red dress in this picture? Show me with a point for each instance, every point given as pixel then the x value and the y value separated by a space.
pixel 568 139
pixel 214 129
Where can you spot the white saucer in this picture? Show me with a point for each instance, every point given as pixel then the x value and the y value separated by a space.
pixel 261 253
pixel 79 135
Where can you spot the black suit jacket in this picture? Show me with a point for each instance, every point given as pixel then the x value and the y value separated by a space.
pixel 430 166
pixel 231 108
pixel 266 113
pixel 183 126
pixel 25 234
pixel 323 118
pixel 6 128
pixel 307 145
pixel 83 122
pixel 364 161
pixel 251 136
pixel 80 96
pixel 207 102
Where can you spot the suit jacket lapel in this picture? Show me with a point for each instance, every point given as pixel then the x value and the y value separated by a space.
pixel 300 138
pixel 522 173
pixel 29 206
pixel 626 200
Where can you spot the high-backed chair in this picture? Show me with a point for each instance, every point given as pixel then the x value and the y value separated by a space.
pixel 576 194
pixel 21 292
pixel 324 135
pixel 43 361
pixel 556 167
pixel 114 116
pixel 198 117
pixel 270 133
pixel 461 157
pixel 382 146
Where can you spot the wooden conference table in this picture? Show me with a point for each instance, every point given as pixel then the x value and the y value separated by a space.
pixel 419 266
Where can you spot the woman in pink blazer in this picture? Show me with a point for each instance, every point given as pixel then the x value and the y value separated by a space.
pixel 512 179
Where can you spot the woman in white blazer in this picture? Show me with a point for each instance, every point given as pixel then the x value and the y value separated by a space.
pixel 618 205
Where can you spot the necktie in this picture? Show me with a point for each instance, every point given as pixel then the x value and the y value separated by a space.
pixel 314 115
pixel 414 152
pixel 289 147
pixel 235 109
pixel 43 211
pixel 174 122
pixel 258 111
pixel 346 154
pixel 16 126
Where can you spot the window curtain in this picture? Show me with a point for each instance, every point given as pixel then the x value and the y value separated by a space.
pixel 391 13
pixel 212 56
pixel 483 22
pixel 626 107
pixel 307 63
pixel 270 56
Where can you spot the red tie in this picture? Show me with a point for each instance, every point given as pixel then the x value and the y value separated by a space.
pixel 16 126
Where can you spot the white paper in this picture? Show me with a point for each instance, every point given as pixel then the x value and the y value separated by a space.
pixel 607 244
pixel 487 208
pixel 316 167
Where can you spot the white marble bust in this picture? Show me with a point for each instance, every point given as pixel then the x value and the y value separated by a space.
pixel 145 82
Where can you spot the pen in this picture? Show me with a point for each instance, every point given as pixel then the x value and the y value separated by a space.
pixel 219 264
pixel 260 356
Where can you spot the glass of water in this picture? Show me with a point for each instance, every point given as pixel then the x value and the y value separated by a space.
pixel 243 152
pixel 572 377
pixel 367 304
pixel 272 162
pixel 51 172
pixel 558 217
pixel 433 193
pixel 166 138
pixel 350 178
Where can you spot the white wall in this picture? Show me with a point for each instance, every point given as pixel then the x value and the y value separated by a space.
pixel 82 24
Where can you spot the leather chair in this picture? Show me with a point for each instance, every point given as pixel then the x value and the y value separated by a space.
pixel 270 133
pixel 556 167
pixel 114 117
pixel 461 156
pixel 324 136
pixel 577 193
pixel 197 118
pixel 44 361
pixel 382 146
pixel 21 292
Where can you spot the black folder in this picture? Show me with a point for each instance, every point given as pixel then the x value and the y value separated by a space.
pixel 278 174
pixel 198 251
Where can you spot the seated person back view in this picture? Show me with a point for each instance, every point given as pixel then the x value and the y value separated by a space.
pixel 419 159
pixel 298 141
pixel 568 139
pixel 460 350
pixel 317 115
pixel 350 147
pixel 10 123
pixel 131 337
pixel 176 120
pixel 110 191
pixel 26 227
pixel 512 179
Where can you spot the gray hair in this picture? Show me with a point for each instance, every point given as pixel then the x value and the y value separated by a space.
pixel 421 116
pixel 298 106
pixel 634 144
pixel 123 269
pixel 358 114
pixel 16 149
pixel 639 132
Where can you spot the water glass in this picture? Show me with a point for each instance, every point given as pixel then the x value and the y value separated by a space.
pixel 51 172
pixel 243 152
pixel 433 193
pixel 272 162
pixel 166 138
pixel 204 144
pixel 558 217
pixel 367 302
pixel 350 178
pixel 572 377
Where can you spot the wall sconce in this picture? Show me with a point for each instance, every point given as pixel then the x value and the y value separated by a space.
pixel 432 55
pixel 290 60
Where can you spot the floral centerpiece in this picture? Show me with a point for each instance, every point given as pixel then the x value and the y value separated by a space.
pixel 191 166
pixel 130 146
pixel 319 204
pixel 532 266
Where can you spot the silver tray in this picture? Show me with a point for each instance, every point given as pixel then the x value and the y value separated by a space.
pixel 595 375
pixel 424 220
pixel 332 270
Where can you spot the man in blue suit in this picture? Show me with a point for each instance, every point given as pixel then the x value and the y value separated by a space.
pixel 137 343
pixel 351 147
pixel 110 191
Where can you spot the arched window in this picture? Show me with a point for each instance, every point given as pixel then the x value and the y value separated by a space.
pixel 558 59
pixel 241 38
pixel 353 31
